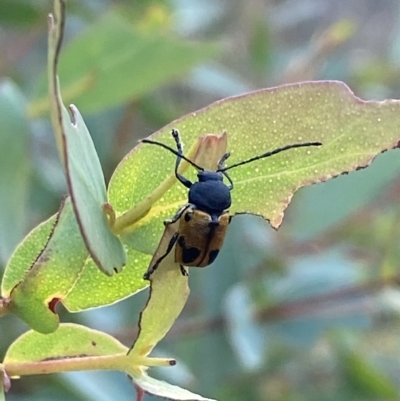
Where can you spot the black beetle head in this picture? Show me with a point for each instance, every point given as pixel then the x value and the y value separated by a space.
pixel 210 194
pixel 206 175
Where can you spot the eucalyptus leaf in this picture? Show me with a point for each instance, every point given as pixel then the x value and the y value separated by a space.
pixel 52 274
pixel 169 291
pixel 309 215
pixel 25 255
pixel 85 178
pixel 69 341
pixel 353 132
pixel 88 289
pixel 94 289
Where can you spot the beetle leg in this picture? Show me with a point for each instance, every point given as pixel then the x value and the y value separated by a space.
pixel 184 271
pixel 177 215
pixel 153 268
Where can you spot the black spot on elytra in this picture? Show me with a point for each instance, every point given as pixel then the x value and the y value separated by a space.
pixel 181 241
pixel 183 271
pixel 212 255
pixel 190 254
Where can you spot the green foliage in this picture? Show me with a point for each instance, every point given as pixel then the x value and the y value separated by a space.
pixel 80 284
pixel 258 122
pixel 69 341
pixel 25 255
pixel 367 379
pixel 123 65
pixel 54 271
pixel 24 13
pixel 82 167
pixel 168 293
pixel 274 297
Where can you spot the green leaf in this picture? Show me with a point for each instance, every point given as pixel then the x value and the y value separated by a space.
pixel 168 293
pixel 309 215
pixel 51 276
pixel 26 254
pixel 82 167
pixel 352 131
pixel 70 340
pixel 91 288
pixel 75 347
pixel 14 167
pixel 169 290
pixel 94 289
pixel 70 348
pixel 111 63
pixel 165 390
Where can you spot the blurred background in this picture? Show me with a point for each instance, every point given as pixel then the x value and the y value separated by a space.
pixel 311 312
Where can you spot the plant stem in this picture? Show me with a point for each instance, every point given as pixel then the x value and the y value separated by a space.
pixel 119 362
pixel 125 222
pixel 107 362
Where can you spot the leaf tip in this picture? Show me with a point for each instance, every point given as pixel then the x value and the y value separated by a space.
pixel 73 111
pixel 50 22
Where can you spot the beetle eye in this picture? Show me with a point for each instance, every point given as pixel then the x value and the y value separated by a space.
pixel 188 216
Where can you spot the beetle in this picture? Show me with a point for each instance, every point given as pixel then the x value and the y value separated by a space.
pixel 204 220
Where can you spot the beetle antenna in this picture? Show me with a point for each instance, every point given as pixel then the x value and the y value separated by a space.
pixel 175 152
pixel 271 153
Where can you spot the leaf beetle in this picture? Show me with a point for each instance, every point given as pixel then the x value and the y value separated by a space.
pixel 204 220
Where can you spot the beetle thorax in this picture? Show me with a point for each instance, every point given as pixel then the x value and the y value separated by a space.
pixel 210 194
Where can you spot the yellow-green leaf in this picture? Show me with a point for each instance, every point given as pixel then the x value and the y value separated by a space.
pixel 352 131
pixel 25 255
pixel 70 340
pixel 89 290
pixel 94 289
pixel 168 293
pixel 51 276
